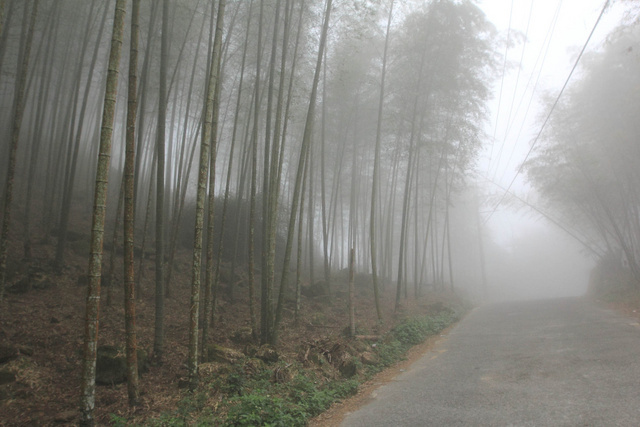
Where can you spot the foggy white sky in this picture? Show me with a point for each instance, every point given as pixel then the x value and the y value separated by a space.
pixel 546 57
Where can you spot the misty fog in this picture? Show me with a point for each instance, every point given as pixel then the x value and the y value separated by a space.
pixel 434 133
pixel 253 157
pixel 539 261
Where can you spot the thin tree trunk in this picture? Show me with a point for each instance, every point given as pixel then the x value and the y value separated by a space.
pixel 212 82
pixel 241 187
pixel 391 211
pixel 129 227
pixel 18 112
pixel 434 251
pixel 3 33
pixel 310 217
pixel 299 254
pixel 44 91
pixel 294 63
pixel 227 188
pixel 145 226
pixel 99 213
pixel 158 342
pixel 109 277
pixel 264 301
pixel 352 312
pixel 448 188
pixel 144 81
pixel 483 267
pixel 278 145
pixel 403 229
pixel 1 16
pixel 170 189
pixel 252 217
pixel 323 201
pixel 269 205
pixel 407 189
pixel 333 200
pixel 181 186
pixel 211 293
pixel 284 137
pixel 183 176
pixel 253 148
pixel 58 110
pixel 437 270
pixel 449 259
pixel 442 254
pixel 306 141
pixel 353 189
pixel 74 146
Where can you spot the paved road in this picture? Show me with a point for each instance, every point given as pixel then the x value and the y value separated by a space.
pixel 538 363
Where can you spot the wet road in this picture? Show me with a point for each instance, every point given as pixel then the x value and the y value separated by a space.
pixel 538 363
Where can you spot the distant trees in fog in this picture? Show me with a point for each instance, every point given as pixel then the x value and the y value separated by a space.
pixel 346 128
pixel 587 168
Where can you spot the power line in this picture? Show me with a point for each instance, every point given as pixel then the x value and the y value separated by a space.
pixel 515 89
pixel 504 69
pixel 579 237
pixel 542 54
pixel 535 141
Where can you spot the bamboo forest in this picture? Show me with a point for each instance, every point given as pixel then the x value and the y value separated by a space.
pixel 242 212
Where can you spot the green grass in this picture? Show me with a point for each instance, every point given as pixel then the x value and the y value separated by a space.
pixel 409 333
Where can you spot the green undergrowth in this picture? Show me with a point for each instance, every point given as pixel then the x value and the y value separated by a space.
pixel 409 333
pixel 290 404
pixel 288 394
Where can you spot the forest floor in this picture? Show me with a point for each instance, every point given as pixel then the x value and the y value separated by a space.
pixel 41 336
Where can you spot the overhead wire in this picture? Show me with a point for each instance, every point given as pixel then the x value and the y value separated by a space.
pixel 555 103
pixel 578 236
pixel 504 70
pixel 544 51
pixel 515 90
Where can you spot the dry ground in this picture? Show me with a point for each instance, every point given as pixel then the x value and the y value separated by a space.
pixel 46 327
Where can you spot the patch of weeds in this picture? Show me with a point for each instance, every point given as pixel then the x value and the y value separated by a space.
pixel 170 419
pixel 289 404
pixel 342 389
pixel 190 404
pixel 409 333
pixel 234 383
pixel 258 409
pixel 412 332
pixel 304 392
pixel 388 354
pixel 316 400
pixel 442 320
pixel 118 421
pixel 191 411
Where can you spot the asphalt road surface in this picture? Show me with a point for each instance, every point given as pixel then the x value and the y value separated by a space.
pixel 559 362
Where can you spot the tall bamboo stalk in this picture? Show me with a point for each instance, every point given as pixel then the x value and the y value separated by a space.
pixel 98 220
pixel 18 112
pixel 129 217
pixel 212 82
